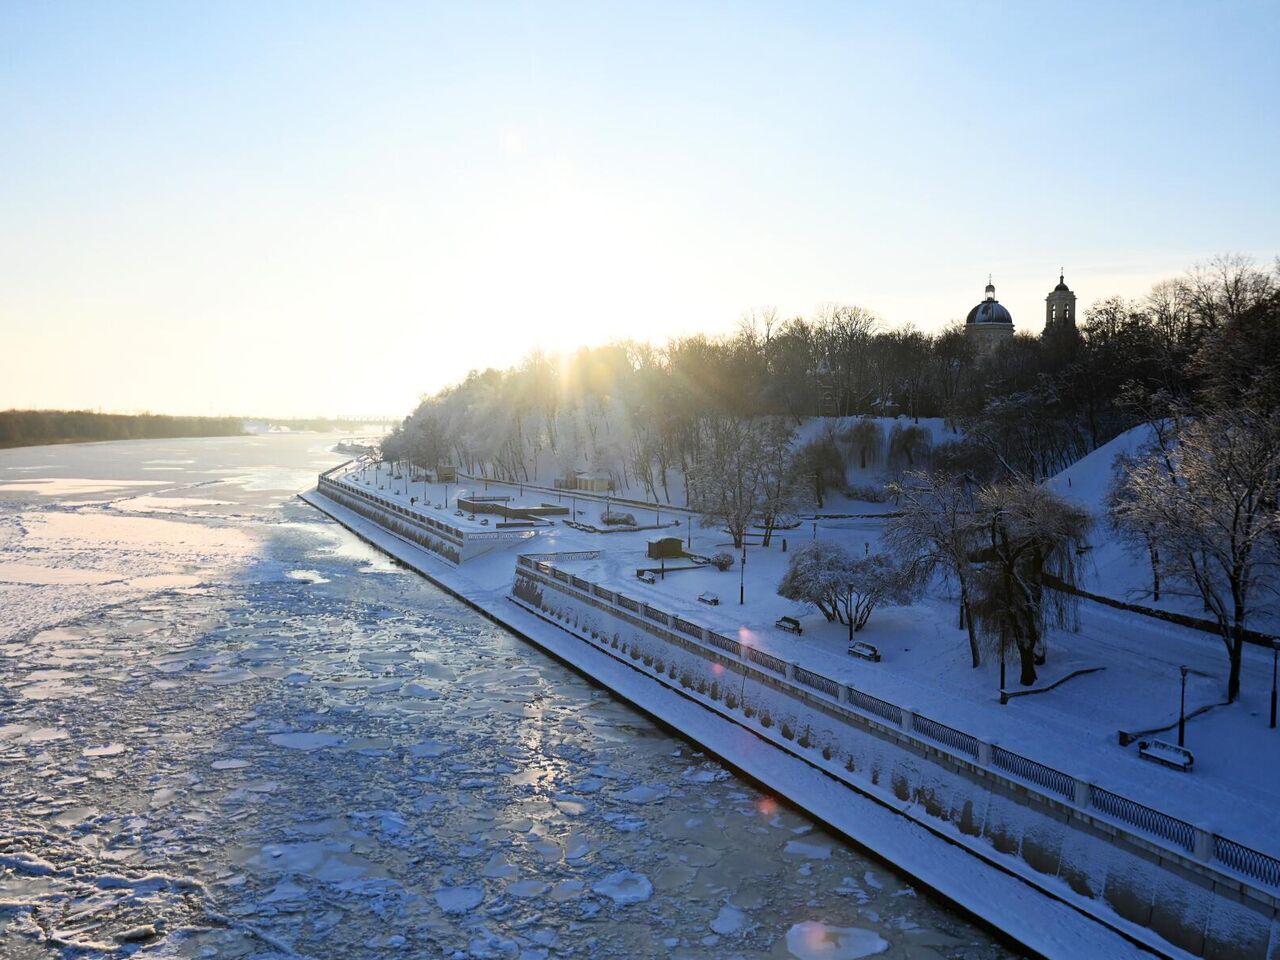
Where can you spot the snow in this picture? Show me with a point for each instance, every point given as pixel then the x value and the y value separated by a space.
pixel 459 899
pixel 321 852
pixel 625 887
pixel 1047 925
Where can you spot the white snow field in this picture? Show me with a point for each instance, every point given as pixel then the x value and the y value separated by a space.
pixel 228 729
pixel 925 658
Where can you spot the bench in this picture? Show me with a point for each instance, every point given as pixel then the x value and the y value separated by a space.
pixel 645 576
pixel 1169 754
pixel 789 624
pixel 710 599
pixel 866 651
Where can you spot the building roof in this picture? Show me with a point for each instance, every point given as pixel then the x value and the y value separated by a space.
pixel 989 310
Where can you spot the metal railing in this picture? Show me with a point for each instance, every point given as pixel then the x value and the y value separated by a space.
pixel 724 643
pixel 767 660
pixel 957 740
pixel 1037 773
pixel 1054 784
pixel 817 681
pixel 1145 818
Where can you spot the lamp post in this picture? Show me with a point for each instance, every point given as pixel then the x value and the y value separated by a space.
pixel 742 576
pixel 1182 709
pixel 1004 699
pixel 1275 652
pixel 849 612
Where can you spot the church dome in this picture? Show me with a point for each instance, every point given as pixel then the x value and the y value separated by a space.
pixel 1062 286
pixel 989 310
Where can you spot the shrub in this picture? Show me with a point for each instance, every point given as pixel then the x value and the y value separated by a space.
pixel 614 519
pixel 866 492
pixel 722 561
pixel 731 701
pixel 765 719
pixel 806 738
pixel 788 731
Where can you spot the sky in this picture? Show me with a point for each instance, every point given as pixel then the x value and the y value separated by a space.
pixel 316 208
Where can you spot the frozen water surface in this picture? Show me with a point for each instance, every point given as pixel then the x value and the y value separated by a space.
pixel 228 729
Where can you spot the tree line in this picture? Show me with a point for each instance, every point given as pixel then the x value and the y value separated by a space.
pixel 1030 407
pixel 20 428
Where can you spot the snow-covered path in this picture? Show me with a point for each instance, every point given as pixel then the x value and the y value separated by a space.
pixel 298 749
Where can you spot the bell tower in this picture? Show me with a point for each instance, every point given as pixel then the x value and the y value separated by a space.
pixel 1060 308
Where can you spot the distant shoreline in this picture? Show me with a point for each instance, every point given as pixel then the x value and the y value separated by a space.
pixel 34 428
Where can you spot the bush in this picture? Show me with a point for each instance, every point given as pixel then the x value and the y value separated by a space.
pixel 614 519
pixel 867 493
pixel 731 701
pixel 765 719
pixel 788 731
pixel 722 561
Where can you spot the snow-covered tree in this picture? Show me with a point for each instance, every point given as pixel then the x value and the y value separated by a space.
pixel 842 586
pixel 1206 493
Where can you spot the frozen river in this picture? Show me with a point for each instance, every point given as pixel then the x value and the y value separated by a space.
pixel 228 729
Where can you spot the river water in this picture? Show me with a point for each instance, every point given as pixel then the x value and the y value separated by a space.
pixel 229 729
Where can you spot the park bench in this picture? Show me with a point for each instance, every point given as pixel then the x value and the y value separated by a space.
pixel 789 624
pixel 1169 754
pixel 866 651
pixel 646 576
pixel 710 599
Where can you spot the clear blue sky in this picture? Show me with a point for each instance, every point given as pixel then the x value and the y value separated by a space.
pixel 233 207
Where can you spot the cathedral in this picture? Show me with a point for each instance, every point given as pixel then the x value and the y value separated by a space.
pixel 990 322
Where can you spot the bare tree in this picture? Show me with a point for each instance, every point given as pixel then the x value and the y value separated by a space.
pixel 935 532
pixel 1206 492
pixel 724 480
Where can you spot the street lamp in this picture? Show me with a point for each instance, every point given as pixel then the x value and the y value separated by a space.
pixel 1004 698
pixel 1275 652
pixel 742 576
pixel 1182 709
pixel 849 612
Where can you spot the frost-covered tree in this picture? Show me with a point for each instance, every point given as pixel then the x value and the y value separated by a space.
pixel 1206 492
pixel 935 531
pixel 842 586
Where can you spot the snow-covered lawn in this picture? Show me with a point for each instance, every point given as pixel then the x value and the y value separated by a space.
pixel 1234 789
